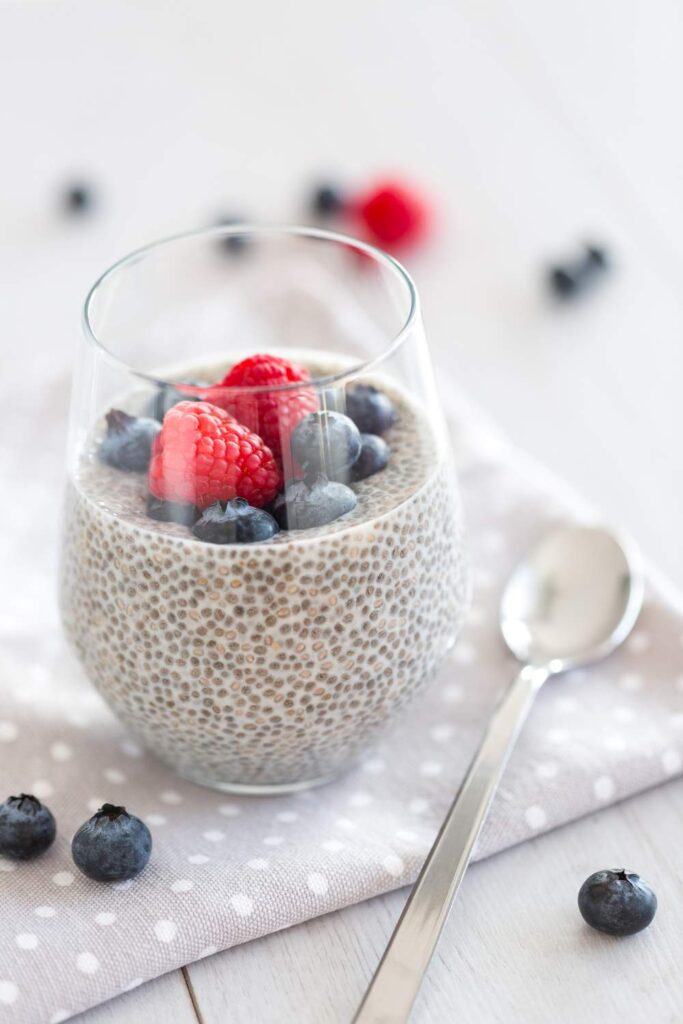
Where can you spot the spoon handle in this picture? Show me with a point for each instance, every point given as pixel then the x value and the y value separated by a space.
pixel 392 991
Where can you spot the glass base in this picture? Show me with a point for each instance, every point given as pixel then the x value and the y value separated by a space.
pixel 256 789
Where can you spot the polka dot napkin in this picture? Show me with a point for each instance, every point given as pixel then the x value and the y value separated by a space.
pixel 227 870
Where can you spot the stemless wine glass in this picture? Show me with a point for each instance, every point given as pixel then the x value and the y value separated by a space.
pixel 271 665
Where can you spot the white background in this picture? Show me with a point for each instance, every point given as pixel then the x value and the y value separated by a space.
pixel 532 125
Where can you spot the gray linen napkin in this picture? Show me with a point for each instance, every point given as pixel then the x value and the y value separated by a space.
pixel 226 870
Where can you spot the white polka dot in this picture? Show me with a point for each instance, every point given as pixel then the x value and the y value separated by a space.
pixel 631 682
pixel 614 742
pixel 464 653
pixel 346 824
pixel 45 911
pixel 430 769
pixel 671 762
pixel 130 748
pixel 604 787
pixel 317 883
pixel 42 789
pixel 123 886
pixel 197 858
pixel 8 732
pixel 165 931
pixel 229 810
pixel 565 705
pixel 535 817
pixel 452 694
pixel 360 799
pixel 287 817
pixel 60 1016
pixel 214 835
pixel 273 840
pixel 258 864
pixel 7 865
pixel 546 770
pixel 624 714
pixel 61 752
pixel 241 904
pixel 442 733
pixel 182 885
pixel 105 919
pixel 87 963
pixel 63 878
pixel 418 806
pixel 8 992
pixel 135 983
pixel 27 940
pixel 332 845
pixel 393 865
pixel 639 643
pixel 115 776
pixel 94 804
pixel 169 796
pixel 156 819
pixel 207 951
pixel 557 735
pixel 374 766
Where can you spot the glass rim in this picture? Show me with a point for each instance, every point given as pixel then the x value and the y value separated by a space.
pixel 364 366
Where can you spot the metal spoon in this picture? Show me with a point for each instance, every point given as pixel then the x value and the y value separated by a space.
pixel 572 601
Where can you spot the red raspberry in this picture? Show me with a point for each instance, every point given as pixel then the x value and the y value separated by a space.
pixel 203 455
pixel 273 415
pixel 393 214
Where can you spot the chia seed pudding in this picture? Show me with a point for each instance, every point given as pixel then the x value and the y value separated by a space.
pixel 269 666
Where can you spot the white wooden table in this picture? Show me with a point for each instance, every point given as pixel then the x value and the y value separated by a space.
pixel 534 125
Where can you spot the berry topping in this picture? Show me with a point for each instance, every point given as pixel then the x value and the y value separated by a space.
pixel 167 396
pixel 171 511
pixel 27 827
pixel 370 409
pixel 617 902
pixel 374 456
pixel 203 455
pixel 112 846
pixel 326 200
pixel 326 442
pixel 393 214
pixel 272 415
pixel 237 523
pixel 303 507
pixel 128 441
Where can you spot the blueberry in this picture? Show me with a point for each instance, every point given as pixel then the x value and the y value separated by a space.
pixel 167 396
pixel 569 279
pixel 326 442
pixel 128 441
pixel 374 455
pixel 563 282
pixel 27 827
pixel 304 506
pixel 617 902
pixel 78 198
pixel 112 845
pixel 234 243
pixel 370 409
pixel 171 512
pixel 237 523
pixel 326 200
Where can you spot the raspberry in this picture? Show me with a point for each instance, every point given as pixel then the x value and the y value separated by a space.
pixel 393 214
pixel 273 415
pixel 203 455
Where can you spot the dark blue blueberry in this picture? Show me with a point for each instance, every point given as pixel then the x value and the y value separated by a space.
pixel 237 523
pixel 326 200
pixel 370 409
pixel 234 242
pixel 617 902
pixel 326 442
pixel 571 278
pixel 374 455
pixel 167 396
pixel 78 198
pixel 128 441
pixel 304 506
pixel 171 511
pixel 27 828
pixel 112 845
